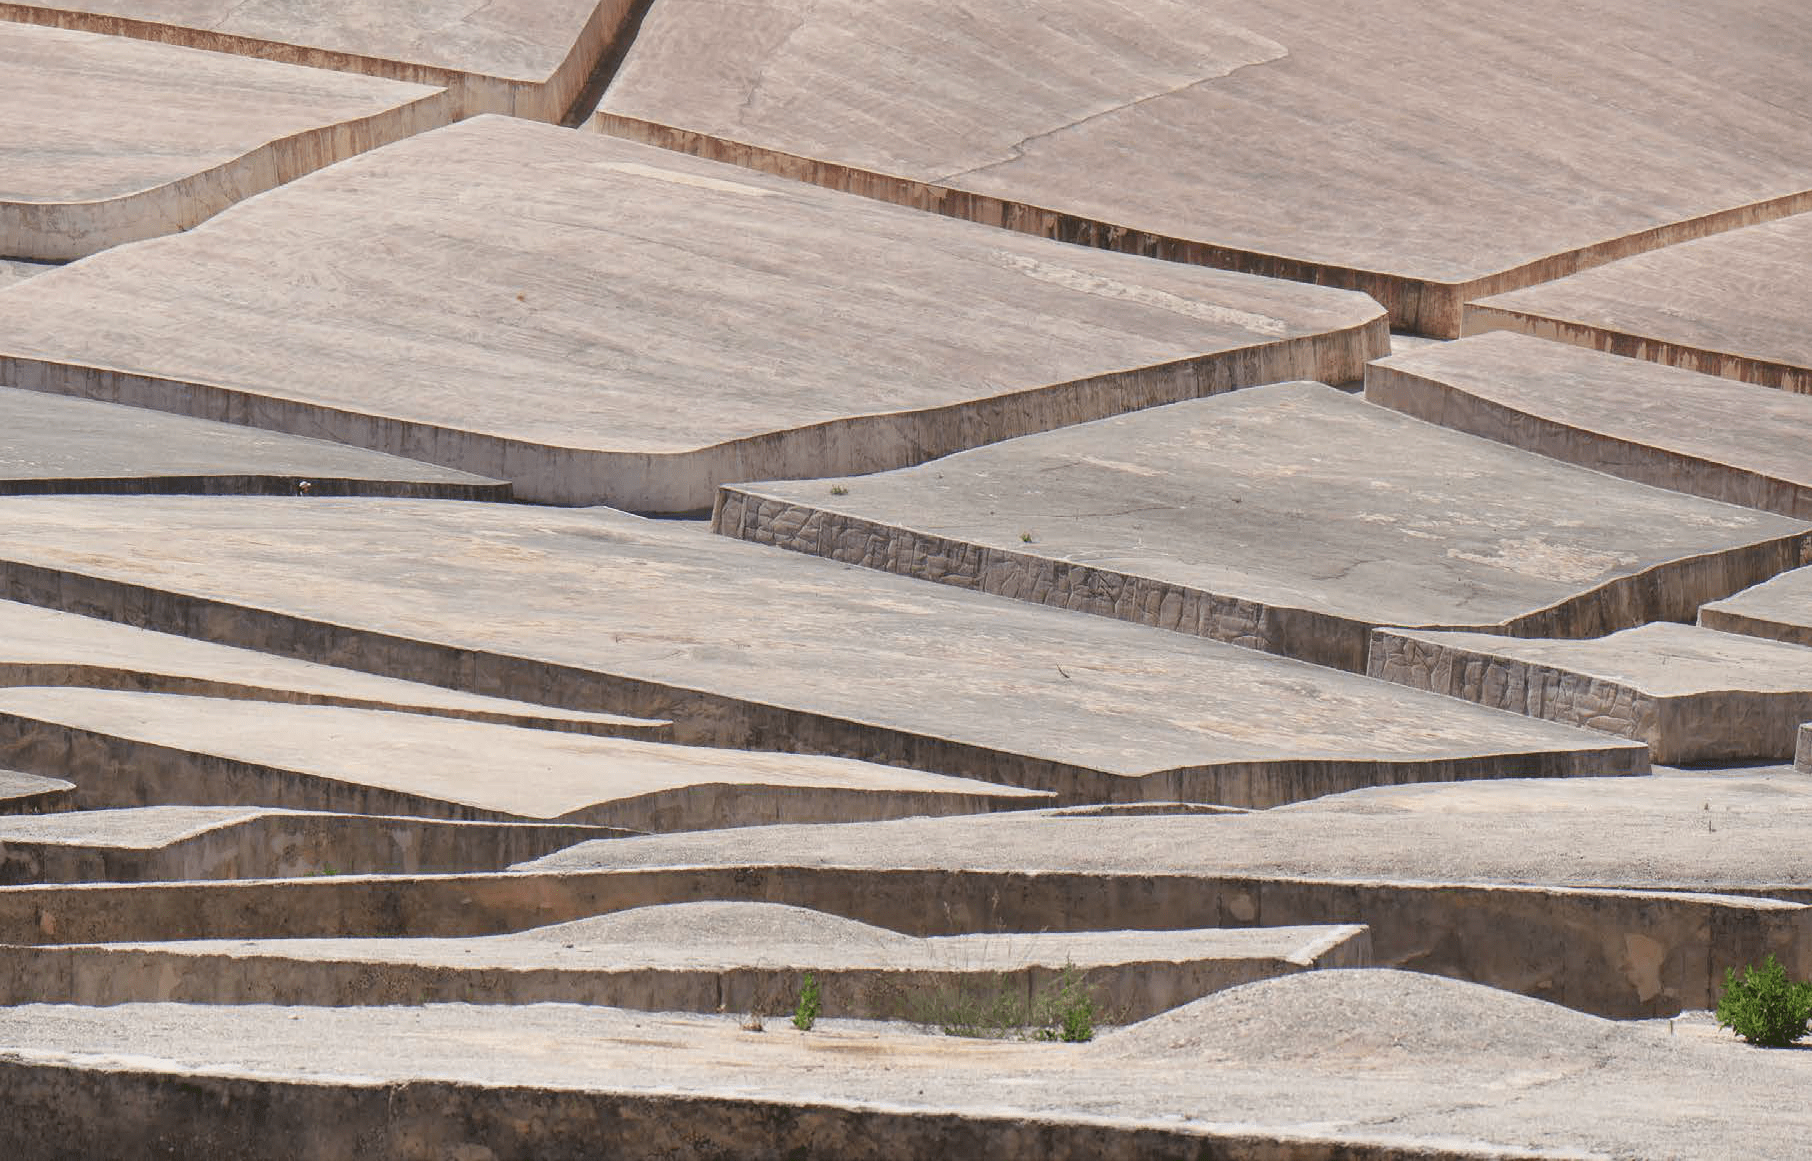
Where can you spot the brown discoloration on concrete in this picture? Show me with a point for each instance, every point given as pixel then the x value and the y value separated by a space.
pixel 690 957
pixel 510 56
pixel 1408 171
pixel 168 136
pixel 226 842
pixel 1291 518
pixel 1733 305
pixel 751 647
pixel 1780 609
pixel 768 330
pixel 1699 434
pixel 1692 694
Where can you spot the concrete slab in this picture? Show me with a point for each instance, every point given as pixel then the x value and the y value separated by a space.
pixel 690 957
pixel 135 749
pixel 1693 694
pixel 1780 609
pixel 765 330
pixel 1699 434
pixel 1732 305
pixel 1426 154
pixel 31 794
pixel 15 270
pixel 51 443
pixel 527 58
pixel 1244 1073
pixel 1291 518
pixel 750 647
pixel 112 140
pixel 227 842
pixel 49 648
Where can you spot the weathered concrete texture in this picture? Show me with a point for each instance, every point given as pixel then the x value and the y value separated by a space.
pixel 530 58
pixel 13 270
pixel 1291 518
pixel 1427 153
pixel 32 794
pixel 766 330
pixel 229 842
pixel 1780 609
pixel 750 647
pixel 692 957
pixel 1243 1075
pixel 1699 434
pixel 1803 759
pixel 111 140
pixel 1693 694
pixel 49 648
pixel 132 749
pixel 1733 305
pixel 52 444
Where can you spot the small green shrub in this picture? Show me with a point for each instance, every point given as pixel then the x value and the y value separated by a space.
pixel 1764 1007
pixel 805 1014
pixel 1000 1008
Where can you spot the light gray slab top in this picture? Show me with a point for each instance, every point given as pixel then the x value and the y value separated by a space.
pixel 1710 831
pixel 91 117
pixel 651 600
pixel 138 828
pixel 1785 601
pixel 536 774
pixel 1442 140
pixel 1721 421
pixel 1742 293
pixel 628 298
pixel 1315 1057
pixel 52 437
pixel 1299 495
pixel 518 39
pixel 1662 659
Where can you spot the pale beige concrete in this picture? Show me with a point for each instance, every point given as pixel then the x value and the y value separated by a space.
pixel 746 646
pixel 1700 434
pixel 1291 518
pixel 664 324
pixel 1427 153
pixel 133 749
pixel 110 140
pixel 31 794
pixel 1733 305
pixel 1780 609
pixel 56 444
pixel 1693 694
pixel 691 957
pixel 45 647
pixel 530 58
pixel 1317 1066
pixel 14 270
pixel 230 842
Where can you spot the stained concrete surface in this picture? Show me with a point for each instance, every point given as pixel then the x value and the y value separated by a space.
pixel 1700 434
pixel 1428 153
pixel 766 329
pixel 227 842
pixel 45 647
pixel 52 443
pixel 132 749
pixel 1290 518
pixel 746 646
pixel 1780 609
pixel 1732 305
pixel 111 140
pixel 1694 695
pixel 694 957
pixel 1245 1072
pixel 34 794
pixel 532 58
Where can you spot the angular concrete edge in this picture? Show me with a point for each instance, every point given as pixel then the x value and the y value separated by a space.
pixel 1802 760
pixel 552 99
pixel 1731 620
pixel 683 482
pixel 1677 729
pixel 1484 315
pixel 22 793
pixel 1420 306
pixel 1605 951
pixel 63 231
pixel 1672 590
